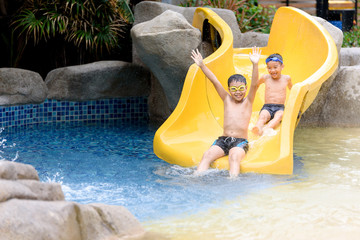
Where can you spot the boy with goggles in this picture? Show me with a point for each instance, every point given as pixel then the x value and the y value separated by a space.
pixel 275 94
pixel 237 113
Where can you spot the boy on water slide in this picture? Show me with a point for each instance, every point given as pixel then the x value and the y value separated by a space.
pixel 275 94
pixel 237 113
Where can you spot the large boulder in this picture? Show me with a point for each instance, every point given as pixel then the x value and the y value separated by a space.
pixel 98 80
pixel 61 220
pixel 21 181
pixel 250 39
pixel 147 10
pixel 19 86
pixel 30 189
pixel 349 56
pixel 155 41
pixel 14 171
pixel 342 105
pixel 31 209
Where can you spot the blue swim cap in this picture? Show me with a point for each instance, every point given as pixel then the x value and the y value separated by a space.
pixel 275 59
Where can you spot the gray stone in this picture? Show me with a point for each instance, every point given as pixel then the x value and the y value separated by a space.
pixel 250 39
pixel 155 41
pixel 30 189
pixel 98 80
pixel 60 220
pixel 159 110
pixel 19 86
pixel 147 10
pixel 342 106
pixel 47 191
pixel 349 56
pixel 13 189
pixel 13 171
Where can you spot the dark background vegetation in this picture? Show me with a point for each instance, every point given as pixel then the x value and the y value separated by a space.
pixel 44 52
pixel 41 35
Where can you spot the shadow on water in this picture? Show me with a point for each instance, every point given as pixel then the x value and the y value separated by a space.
pixel 115 164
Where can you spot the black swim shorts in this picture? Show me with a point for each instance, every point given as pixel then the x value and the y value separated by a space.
pixel 227 143
pixel 273 108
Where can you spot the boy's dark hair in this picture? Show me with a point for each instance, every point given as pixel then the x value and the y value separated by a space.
pixel 275 57
pixel 236 78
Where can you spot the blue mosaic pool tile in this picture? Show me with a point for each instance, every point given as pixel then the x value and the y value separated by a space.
pixel 53 111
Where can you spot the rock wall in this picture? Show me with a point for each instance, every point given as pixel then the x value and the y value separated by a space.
pixel 19 86
pixel 342 105
pixel 31 209
pixel 155 41
pixel 98 80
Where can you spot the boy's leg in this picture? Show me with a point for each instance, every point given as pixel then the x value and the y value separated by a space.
pixel 236 154
pixel 276 120
pixel 264 117
pixel 213 153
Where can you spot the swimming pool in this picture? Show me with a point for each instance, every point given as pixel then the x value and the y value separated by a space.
pixel 115 164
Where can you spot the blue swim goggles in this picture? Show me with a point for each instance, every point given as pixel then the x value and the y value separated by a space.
pixel 275 59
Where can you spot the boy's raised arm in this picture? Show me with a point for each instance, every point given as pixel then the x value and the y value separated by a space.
pixel 198 59
pixel 254 58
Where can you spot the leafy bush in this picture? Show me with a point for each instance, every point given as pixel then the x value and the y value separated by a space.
pixel 253 17
pixel 250 15
pixel 41 35
pixel 352 38
pixel 92 24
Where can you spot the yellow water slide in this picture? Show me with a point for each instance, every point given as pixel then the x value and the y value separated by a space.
pixel 310 58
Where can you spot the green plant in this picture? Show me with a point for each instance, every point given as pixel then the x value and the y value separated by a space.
pixel 254 17
pixel 352 38
pixel 250 16
pixel 88 24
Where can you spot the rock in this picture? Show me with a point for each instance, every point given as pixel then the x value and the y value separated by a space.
pixel 342 105
pixel 18 180
pixel 155 41
pixel 349 56
pixel 159 110
pixel 30 189
pixel 60 220
pixel 19 86
pixel 250 39
pixel 44 190
pixel 13 189
pixel 98 80
pixel 147 10
pixel 13 171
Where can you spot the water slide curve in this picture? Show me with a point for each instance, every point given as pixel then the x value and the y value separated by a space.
pixel 310 58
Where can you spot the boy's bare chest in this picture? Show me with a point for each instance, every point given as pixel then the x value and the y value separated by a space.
pixel 276 84
pixel 235 109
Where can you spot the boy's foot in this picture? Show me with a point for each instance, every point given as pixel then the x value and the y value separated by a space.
pixel 256 130
pixel 269 132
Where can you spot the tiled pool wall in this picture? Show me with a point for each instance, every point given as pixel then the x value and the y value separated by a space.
pixel 133 109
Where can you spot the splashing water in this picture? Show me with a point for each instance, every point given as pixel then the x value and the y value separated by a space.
pixel 4 154
pixel 116 165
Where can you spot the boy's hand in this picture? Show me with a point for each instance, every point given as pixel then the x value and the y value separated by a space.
pixel 255 55
pixel 196 56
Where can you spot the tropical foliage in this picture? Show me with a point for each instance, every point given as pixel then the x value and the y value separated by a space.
pixel 41 35
pixel 250 15
pixel 92 24
pixel 352 38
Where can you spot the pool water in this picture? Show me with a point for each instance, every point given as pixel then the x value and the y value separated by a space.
pixel 115 164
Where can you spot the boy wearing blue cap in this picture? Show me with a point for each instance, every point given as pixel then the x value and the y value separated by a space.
pixel 275 94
